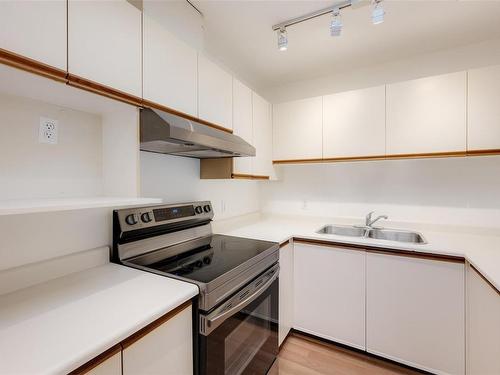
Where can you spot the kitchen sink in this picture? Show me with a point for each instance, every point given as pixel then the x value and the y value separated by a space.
pixel 343 230
pixel 397 235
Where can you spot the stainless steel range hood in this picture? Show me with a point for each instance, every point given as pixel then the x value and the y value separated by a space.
pixel 166 133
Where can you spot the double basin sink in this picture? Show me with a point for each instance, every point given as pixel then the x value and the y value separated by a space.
pixel 374 233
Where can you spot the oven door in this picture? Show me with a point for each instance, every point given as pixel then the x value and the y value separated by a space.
pixel 241 336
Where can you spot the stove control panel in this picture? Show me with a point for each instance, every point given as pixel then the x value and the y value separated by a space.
pixel 150 216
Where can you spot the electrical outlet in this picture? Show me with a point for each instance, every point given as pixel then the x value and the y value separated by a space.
pixel 48 130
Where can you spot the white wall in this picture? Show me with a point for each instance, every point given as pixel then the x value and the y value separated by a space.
pixel 455 190
pixel 177 179
pixel 439 62
pixel 29 169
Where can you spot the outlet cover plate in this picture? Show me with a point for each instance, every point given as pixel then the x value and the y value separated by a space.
pixel 48 130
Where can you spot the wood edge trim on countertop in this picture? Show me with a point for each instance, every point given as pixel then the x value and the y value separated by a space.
pixel 152 326
pixel 374 249
pixel 283 244
pixel 243 176
pixel 485 279
pixel 150 104
pixel 29 65
pixel 93 363
pixel 103 90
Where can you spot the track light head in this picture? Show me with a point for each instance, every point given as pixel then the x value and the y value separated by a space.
pixel 378 12
pixel 336 23
pixel 282 39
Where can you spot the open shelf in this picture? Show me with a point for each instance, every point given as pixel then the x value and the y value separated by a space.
pixel 26 206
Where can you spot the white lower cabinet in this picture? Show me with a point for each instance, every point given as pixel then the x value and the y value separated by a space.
pixel 285 292
pixel 167 349
pixel 111 366
pixel 329 293
pixel 415 311
pixel 483 326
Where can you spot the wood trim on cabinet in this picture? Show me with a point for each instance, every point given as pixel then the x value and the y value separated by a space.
pixel 152 326
pixel 329 160
pixel 150 104
pixel 29 65
pixel 85 368
pixel 374 249
pixel 485 279
pixel 242 176
pixel 387 157
pixel 483 152
pixel 100 89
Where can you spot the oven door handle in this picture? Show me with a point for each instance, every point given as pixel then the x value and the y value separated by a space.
pixel 210 322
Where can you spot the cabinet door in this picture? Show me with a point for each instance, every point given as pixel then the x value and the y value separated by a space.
pixel 104 43
pixel 484 112
pixel 35 29
pixel 483 325
pixel 354 123
pixel 170 67
pixel 415 311
pixel 427 115
pixel 111 366
pixel 286 292
pixel 329 293
pixel 215 93
pixel 298 130
pixel 242 123
pixel 262 137
pixel 166 350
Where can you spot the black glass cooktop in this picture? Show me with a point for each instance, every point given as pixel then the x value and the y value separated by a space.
pixel 220 255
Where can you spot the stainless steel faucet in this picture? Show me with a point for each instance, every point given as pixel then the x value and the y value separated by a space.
pixel 369 222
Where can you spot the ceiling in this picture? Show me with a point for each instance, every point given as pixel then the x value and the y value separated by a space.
pixel 239 35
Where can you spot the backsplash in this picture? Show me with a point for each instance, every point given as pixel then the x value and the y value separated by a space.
pixel 177 179
pixel 458 190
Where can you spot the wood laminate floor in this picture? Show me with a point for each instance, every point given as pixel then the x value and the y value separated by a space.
pixel 301 355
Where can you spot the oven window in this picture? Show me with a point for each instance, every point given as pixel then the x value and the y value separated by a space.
pixel 245 343
pixel 247 339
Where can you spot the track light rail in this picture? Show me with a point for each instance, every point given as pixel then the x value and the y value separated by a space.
pixel 318 13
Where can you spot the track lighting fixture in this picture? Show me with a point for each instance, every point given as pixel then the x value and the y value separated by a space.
pixel 336 23
pixel 378 12
pixel 377 16
pixel 282 39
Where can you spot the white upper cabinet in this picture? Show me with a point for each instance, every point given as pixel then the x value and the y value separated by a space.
pixel 104 43
pixel 170 67
pixel 166 350
pixel 297 129
pixel 215 93
pixel 329 293
pixel 415 311
pixel 427 115
pixel 484 109
pixel 483 317
pixel 242 123
pixel 354 123
pixel 262 137
pixel 35 29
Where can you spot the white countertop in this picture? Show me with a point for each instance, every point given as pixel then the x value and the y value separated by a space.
pixel 55 327
pixel 479 246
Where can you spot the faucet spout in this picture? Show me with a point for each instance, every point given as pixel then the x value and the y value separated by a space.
pixel 369 221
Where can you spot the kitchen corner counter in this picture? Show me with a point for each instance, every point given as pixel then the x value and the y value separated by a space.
pixel 57 326
pixel 479 246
